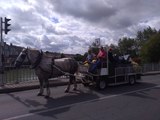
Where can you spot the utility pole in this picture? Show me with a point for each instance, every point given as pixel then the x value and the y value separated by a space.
pixel 1 46
pixel 3 28
pixel 1 54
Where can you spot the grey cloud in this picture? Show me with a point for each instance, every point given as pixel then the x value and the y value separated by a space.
pixel 50 29
pixel 69 42
pixel 107 13
pixel 90 10
pixel 79 22
pixel 46 44
pixel 22 40
pixel 14 40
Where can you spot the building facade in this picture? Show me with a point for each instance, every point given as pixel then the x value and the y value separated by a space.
pixel 10 53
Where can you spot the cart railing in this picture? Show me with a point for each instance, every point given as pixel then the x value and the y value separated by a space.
pixel 83 68
pixel 128 70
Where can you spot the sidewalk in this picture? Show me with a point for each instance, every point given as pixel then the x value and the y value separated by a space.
pixel 151 73
pixel 7 88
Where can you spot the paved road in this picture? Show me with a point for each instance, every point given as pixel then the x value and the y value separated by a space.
pixel 124 102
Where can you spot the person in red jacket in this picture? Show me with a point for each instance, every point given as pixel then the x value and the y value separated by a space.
pixel 102 56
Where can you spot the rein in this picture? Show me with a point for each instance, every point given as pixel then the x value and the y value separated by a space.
pixel 38 60
pixel 65 73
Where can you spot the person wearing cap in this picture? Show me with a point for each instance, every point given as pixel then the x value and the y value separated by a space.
pixel 110 56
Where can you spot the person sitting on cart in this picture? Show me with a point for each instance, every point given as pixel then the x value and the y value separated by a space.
pixel 101 57
pixel 111 58
pixel 89 58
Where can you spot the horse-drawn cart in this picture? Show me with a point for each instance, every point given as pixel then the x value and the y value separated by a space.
pixel 110 75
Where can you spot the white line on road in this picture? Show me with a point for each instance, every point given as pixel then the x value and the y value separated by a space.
pixel 70 105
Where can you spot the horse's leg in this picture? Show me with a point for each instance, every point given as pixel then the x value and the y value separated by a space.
pixel 47 88
pixel 69 84
pixel 41 87
pixel 74 82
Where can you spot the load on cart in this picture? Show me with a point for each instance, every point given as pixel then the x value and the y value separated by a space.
pixel 105 69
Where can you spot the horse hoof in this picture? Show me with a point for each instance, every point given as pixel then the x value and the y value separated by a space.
pixel 66 91
pixel 39 94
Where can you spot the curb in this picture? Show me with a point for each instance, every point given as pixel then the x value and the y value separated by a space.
pixel 4 89
pixel 151 73
pixel 30 87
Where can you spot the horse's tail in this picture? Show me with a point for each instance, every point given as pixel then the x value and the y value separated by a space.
pixel 77 68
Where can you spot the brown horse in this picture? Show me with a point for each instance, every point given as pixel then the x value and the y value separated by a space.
pixel 47 67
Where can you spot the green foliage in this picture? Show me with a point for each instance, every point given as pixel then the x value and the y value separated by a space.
pixel 62 55
pixel 146 45
pixel 150 51
pixel 144 36
pixel 127 46
pixel 141 45
pixel 115 49
pixel 79 57
pixel 95 50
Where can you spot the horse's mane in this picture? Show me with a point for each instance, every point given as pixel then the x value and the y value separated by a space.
pixel 45 53
pixel 32 48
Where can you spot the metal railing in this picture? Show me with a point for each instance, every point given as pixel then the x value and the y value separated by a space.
pixel 151 67
pixel 14 75
pixel 128 70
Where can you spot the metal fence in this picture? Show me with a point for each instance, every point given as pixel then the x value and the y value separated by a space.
pixel 151 67
pixel 13 75
pixel 119 71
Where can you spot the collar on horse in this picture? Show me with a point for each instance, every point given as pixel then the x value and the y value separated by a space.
pixel 38 60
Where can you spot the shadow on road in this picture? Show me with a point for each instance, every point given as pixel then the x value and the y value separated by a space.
pixel 125 88
pixel 55 106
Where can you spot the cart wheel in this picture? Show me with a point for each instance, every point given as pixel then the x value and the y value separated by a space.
pixel 101 84
pixel 132 80
pixel 84 82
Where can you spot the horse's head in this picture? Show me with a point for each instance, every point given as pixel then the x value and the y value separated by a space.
pixel 21 57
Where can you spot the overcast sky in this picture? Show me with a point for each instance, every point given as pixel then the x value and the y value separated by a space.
pixel 70 26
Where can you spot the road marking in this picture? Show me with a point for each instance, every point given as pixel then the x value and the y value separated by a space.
pixel 70 105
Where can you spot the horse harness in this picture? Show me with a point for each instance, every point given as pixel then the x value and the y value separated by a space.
pixel 56 67
pixel 38 60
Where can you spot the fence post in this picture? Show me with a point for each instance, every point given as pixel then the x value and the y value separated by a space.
pixel 1 79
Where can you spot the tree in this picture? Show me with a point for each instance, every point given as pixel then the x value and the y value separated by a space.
pixel 143 36
pixel 79 57
pixel 62 55
pixel 151 49
pixel 140 44
pixel 94 47
pixel 127 46
pixel 115 49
